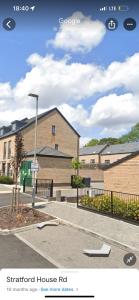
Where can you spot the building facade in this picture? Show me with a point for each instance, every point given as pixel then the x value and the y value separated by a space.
pixel 53 131
pixel 123 175
pixel 107 154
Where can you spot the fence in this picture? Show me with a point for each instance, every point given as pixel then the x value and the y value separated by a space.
pixel 121 205
pixel 43 187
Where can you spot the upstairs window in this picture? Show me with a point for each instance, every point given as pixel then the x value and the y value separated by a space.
pixel 53 130
pixel 4 150
pixel 9 149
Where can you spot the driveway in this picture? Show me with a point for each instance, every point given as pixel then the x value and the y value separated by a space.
pixel 16 254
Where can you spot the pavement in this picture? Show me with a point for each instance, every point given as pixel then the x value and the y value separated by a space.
pixel 5 189
pixel 79 230
pixel 6 198
pixel 63 245
pixel 109 228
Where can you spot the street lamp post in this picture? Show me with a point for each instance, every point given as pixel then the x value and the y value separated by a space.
pixel 35 148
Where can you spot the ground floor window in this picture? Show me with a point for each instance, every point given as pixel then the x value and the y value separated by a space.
pixel 9 170
pixel 107 161
pixel 92 161
pixel 3 168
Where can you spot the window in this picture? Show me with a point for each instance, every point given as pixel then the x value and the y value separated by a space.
pixel 1 131
pixel 107 161
pixel 56 146
pixel 83 161
pixel 3 168
pixel 53 130
pixel 13 126
pixel 4 150
pixel 9 149
pixel 92 161
pixel 9 169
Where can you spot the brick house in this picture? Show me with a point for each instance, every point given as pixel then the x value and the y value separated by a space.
pixel 107 154
pixel 53 164
pixel 123 175
pixel 91 155
pixel 57 144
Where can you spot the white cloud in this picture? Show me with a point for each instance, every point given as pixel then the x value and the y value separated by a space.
pixel 56 81
pixel 64 84
pixel 113 109
pixel 62 81
pixel 76 114
pixel 84 141
pixel 12 113
pixel 115 131
pixel 79 33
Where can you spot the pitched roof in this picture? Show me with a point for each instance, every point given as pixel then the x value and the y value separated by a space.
pixel 121 148
pixel 24 123
pixel 119 161
pixel 111 149
pixel 47 151
pixel 92 150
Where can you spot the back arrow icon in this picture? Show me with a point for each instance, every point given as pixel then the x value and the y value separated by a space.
pixel 9 24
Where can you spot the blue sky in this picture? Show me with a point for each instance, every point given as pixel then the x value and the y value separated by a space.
pixel 38 50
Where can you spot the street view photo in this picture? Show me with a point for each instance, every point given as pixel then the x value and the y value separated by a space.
pixel 69 135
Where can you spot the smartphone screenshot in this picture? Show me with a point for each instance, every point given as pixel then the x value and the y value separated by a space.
pixel 69 149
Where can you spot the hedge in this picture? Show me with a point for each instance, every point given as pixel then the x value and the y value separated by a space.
pixel 121 208
pixel 6 180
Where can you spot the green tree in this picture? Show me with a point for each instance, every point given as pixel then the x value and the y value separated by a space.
pixel 76 165
pixel 77 181
pixel 108 140
pixel 93 142
pixel 132 136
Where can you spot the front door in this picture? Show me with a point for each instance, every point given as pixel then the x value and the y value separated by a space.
pixel 25 171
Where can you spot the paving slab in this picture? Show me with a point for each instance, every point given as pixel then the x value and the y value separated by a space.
pixel 113 229
pixel 65 245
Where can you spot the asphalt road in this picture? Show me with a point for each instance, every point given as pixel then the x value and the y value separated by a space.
pixel 16 254
pixel 5 199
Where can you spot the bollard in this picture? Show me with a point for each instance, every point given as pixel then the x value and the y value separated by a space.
pixel 58 195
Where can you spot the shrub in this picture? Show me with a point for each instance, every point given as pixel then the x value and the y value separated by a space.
pixel 121 208
pixel 6 180
pixel 77 181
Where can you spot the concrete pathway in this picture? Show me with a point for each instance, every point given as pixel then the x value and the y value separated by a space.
pixel 110 229
pixel 6 198
pixel 5 188
pixel 63 246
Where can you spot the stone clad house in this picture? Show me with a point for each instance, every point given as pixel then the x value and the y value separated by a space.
pixel 57 144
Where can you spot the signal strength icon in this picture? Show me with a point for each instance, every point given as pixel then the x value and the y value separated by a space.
pixel 103 8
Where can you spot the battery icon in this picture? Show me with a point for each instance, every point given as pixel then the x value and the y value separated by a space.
pixel 123 7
